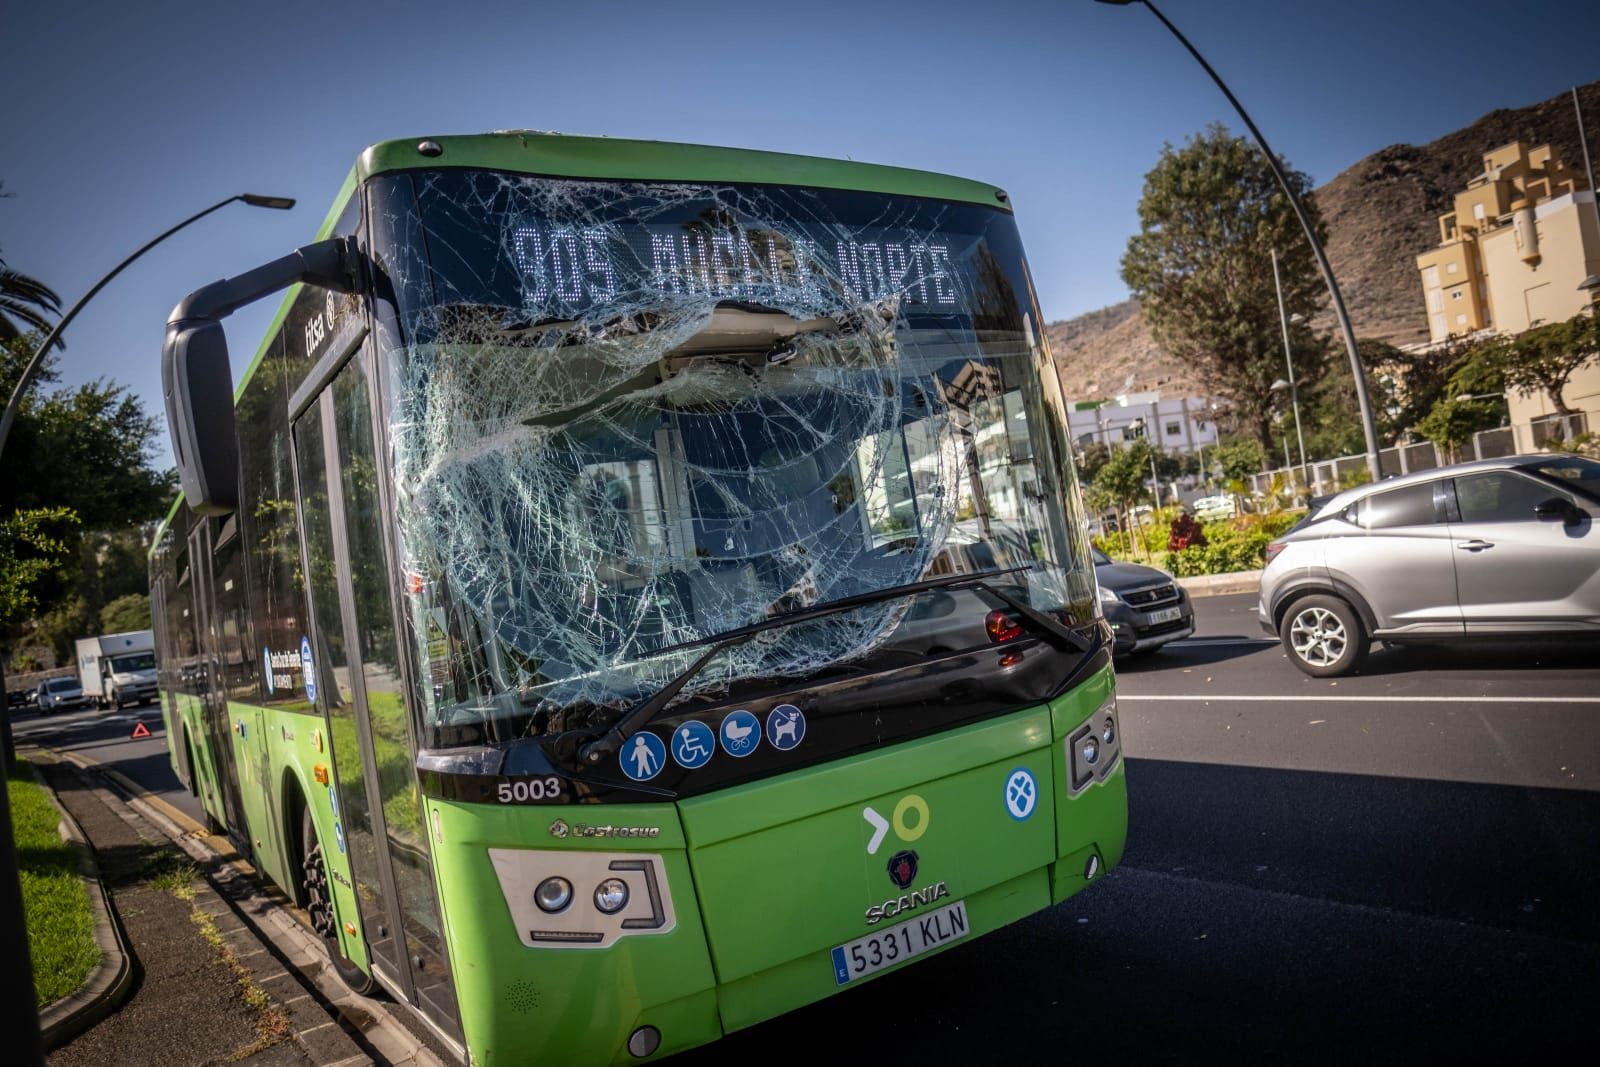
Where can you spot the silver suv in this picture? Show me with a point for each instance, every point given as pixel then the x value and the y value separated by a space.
pixel 1505 547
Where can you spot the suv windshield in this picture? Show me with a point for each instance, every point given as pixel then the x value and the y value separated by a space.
pixel 630 416
pixel 139 661
pixel 61 685
pixel 1573 471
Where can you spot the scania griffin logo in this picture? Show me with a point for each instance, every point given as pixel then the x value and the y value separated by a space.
pixel 903 868
pixel 558 828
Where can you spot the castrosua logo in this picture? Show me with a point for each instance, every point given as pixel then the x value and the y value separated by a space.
pixel 560 829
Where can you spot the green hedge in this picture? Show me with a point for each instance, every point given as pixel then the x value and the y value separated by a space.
pixel 1236 544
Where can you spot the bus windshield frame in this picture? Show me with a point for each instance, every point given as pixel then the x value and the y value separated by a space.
pixel 627 417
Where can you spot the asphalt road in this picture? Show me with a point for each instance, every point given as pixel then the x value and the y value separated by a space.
pixel 106 737
pixel 1399 865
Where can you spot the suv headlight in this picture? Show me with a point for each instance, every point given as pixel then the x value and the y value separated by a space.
pixel 1107 596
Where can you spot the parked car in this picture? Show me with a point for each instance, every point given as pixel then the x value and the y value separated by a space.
pixel 1145 606
pixel 1211 508
pixel 61 694
pixel 1491 549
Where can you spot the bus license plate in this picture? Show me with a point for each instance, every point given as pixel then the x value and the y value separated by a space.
pixel 900 942
pixel 1165 615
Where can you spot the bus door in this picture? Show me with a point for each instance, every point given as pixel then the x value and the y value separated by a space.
pixel 360 687
pixel 209 684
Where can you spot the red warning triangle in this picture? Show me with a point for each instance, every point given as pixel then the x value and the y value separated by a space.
pixel 141 730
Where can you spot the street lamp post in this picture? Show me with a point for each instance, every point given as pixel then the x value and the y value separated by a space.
pixel 1368 427
pixel 1288 362
pixel 19 1019
pixel 280 203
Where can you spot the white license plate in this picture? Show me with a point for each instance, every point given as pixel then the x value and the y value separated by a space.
pixel 899 942
pixel 1165 615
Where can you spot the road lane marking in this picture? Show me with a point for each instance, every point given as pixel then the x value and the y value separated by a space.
pixel 1295 697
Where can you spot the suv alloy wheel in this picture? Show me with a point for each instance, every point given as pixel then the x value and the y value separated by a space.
pixel 1323 636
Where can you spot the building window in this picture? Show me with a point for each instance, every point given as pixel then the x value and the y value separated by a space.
pixel 1430 278
pixel 1450 268
pixel 1173 429
pixel 1455 294
pixel 1436 300
pixel 1438 326
pixel 1477 212
pixel 1461 320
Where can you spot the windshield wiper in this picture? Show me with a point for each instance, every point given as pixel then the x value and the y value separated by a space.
pixel 640 716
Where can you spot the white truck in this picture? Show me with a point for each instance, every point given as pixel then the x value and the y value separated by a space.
pixel 118 669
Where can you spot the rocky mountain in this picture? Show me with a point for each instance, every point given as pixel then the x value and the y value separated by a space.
pixel 1381 213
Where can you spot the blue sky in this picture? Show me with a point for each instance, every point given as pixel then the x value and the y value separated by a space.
pixel 125 118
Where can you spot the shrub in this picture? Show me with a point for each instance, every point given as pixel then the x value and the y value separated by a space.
pixel 1236 544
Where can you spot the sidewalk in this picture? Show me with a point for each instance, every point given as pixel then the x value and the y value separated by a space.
pixel 206 990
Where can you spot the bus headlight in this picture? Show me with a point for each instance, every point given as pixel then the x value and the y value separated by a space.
pixel 553 895
pixel 611 895
pixel 1094 748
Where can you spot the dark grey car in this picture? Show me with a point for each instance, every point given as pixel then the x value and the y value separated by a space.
pixel 1145 606
pixel 1496 548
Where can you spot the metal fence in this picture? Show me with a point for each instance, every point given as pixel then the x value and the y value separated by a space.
pixel 1329 476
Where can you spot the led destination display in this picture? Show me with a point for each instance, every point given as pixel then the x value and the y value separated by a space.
pixel 567 269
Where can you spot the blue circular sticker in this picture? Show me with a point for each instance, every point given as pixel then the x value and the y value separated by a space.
pixel 333 800
pixel 1022 793
pixel 266 666
pixel 338 837
pixel 692 744
pixel 786 727
pixel 642 756
pixel 740 733
pixel 308 669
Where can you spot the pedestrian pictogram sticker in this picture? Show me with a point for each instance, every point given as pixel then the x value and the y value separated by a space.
pixel 141 730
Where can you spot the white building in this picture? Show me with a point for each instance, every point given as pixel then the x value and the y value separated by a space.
pixel 1180 425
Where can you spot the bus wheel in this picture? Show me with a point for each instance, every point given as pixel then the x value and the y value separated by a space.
pixel 319 906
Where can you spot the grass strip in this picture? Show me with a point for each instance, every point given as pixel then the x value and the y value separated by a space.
pixel 61 938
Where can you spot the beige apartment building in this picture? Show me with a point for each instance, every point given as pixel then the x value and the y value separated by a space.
pixel 1524 234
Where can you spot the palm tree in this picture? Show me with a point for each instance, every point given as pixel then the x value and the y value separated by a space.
pixel 25 299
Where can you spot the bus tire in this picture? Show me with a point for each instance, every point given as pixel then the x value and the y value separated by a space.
pixel 319 906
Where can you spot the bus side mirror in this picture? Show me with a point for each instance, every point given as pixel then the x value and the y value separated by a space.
pixel 197 380
pixel 198 384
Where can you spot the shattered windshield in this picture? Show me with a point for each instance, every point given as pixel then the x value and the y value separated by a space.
pixel 626 416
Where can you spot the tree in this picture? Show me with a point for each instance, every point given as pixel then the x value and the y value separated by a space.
pixel 1240 458
pixel 1201 267
pixel 1418 380
pixel 88 448
pixel 35 554
pixel 78 458
pixel 1091 457
pixel 131 612
pixel 1541 360
pixel 26 300
pixel 1451 423
pixel 1122 478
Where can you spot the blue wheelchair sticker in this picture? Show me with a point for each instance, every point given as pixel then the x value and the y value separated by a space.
pixel 692 744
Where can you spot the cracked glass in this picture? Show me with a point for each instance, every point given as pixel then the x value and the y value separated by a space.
pixel 626 415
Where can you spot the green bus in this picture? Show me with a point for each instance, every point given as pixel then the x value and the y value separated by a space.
pixel 636 589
